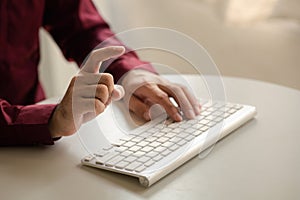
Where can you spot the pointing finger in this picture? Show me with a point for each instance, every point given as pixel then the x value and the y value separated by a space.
pixel 92 65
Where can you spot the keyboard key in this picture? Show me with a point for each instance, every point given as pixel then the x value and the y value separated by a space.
pixel 121 164
pixel 133 165
pixel 127 153
pixel 120 149
pixel 118 143
pixel 152 154
pixel 160 149
pixel 181 142
pixel 157 158
pixel 165 130
pixel 190 130
pixel 197 133
pixel 103 159
pixel 177 130
pixel 167 144
pixel 170 135
pixel 175 139
pixel 129 144
pixel 137 139
pixel 149 163
pixel 204 121
pixel 204 128
pixel 130 159
pixel 134 148
pixel 114 161
pixel 174 147
pixel 192 121
pixel 197 126
pixel 184 126
pixel 88 158
pixel 143 143
pixel 127 138
pixel 139 154
pixel 144 159
pixel 173 125
pixel 101 153
pixel 154 144
pixel 162 139
pixel 147 149
pixel 140 168
pixel 189 138
pixel 153 130
pixel 150 139
pixel 166 152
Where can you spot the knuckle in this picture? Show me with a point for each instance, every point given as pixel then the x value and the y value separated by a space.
pixel 102 89
pixel 176 88
pixel 107 78
pixel 162 96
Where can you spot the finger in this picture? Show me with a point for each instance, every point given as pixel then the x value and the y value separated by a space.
pixel 139 108
pixel 157 95
pixel 94 80
pixel 118 93
pixel 196 105
pixel 92 65
pixel 108 80
pixel 177 93
pixel 99 91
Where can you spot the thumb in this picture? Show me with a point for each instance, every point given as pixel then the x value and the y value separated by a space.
pixel 96 57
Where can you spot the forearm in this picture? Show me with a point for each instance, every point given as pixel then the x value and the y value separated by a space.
pixel 24 125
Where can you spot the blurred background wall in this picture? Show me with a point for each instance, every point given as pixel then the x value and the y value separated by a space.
pixel 258 39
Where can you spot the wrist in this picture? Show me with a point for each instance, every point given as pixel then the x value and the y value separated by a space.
pixel 58 125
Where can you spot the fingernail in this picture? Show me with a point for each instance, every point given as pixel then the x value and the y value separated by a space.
pixel 177 117
pixel 190 114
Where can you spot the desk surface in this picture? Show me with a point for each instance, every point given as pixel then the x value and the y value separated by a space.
pixel 260 160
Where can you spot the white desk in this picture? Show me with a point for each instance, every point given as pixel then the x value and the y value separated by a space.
pixel 261 160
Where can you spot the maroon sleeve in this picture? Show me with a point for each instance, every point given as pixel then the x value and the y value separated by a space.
pixel 78 28
pixel 24 125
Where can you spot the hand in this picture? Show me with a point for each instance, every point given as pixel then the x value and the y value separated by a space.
pixel 144 89
pixel 87 96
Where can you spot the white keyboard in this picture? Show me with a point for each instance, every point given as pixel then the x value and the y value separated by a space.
pixel 152 151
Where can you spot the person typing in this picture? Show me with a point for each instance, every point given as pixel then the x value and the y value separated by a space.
pixel 77 28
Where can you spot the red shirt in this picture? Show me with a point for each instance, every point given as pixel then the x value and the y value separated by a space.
pixel 77 28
